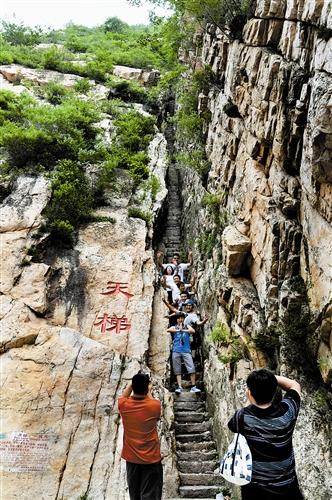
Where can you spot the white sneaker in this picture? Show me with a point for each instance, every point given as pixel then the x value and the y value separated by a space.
pixel 178 390
pixel 195 389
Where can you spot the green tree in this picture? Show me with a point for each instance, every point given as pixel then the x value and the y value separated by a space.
pixel 18 34
pixel 115 25
pixel 229 15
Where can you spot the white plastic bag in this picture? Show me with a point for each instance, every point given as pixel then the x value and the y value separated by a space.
pixel 236 465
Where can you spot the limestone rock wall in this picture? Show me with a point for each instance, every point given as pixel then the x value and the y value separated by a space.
pixel 75 326
pixel 269 143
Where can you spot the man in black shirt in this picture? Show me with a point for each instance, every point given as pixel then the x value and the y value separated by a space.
pixel 268 429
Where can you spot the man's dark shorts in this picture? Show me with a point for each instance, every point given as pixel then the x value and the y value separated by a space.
pixel 254 492
pixel 145 481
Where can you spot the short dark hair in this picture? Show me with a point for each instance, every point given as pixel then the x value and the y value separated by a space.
pixel 176 254
pixel 263 385
pixel 140 383
pixel 180 315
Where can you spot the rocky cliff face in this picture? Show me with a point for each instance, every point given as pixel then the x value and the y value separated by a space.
pixel 75 327
pixel 267 274
pixel 77 324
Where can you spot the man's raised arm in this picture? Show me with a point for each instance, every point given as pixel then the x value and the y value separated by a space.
pixel 128 390
pixel 287 384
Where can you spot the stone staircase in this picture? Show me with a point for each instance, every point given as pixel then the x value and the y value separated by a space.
pixel 172 232
pixel 197 456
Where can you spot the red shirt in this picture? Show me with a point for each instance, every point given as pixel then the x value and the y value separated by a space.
pixel 140 439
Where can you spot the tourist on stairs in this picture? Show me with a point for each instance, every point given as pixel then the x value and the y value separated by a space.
pixel 191 318
pixel 268 428
pixel 167 281
pixel 179 267
pixel 181 352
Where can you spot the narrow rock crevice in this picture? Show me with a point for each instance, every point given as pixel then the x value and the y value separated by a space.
pixel 194 446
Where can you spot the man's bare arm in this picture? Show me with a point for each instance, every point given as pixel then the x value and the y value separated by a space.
pixel 128 390
pixel 159 258
pixel 170 307
pixel 201 323
pixel 286 384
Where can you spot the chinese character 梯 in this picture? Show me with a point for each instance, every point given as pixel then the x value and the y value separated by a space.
pixel 114 323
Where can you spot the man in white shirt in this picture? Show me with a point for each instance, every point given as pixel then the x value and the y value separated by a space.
pixel 179 267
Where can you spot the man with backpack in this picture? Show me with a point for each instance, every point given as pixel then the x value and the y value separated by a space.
pixel 268 429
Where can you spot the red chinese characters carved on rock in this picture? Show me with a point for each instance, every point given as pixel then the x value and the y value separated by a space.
pixel 107 323
pixel 116 287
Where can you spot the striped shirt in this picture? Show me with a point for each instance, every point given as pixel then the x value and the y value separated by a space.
pixel 269 435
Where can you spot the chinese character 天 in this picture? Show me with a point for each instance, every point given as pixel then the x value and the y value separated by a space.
pixel 116 287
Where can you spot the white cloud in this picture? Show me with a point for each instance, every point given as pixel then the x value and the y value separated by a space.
pixel 57 13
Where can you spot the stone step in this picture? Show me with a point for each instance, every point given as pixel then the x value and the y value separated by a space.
pixel 173 218
pixel 190 396
pixel 183 406
pixel 199 491
pixel 200 479
pixel 202 456
pixel 196 446
pixel 174 240
pixel 189 416
pixel 207 467
pixel 174 209
pixel 190 438
pixel 192 428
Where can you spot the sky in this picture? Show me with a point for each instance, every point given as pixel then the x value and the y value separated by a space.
pixel 57 13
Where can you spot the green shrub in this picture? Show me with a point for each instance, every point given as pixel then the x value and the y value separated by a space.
pixel 128 91
pixel 135 131
pixel 138 167
pixel 75 43
pixel 98 70
pixel 48 134
pixel 26 147
pixel 139 214
pixel 220 334
pixel 232 357
pixel 71 200
pixel 155 186
pixel 99 218
pixel 6 57
pixel 18 34
pixel 212 200
pixel 195 159
pixel 52 58
pixel 189 124
pixel 61 231
pixel 135 163
pixel 55 93
pixel 12 106
pixel 206 242
pixel 82 86
pixel 114 107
